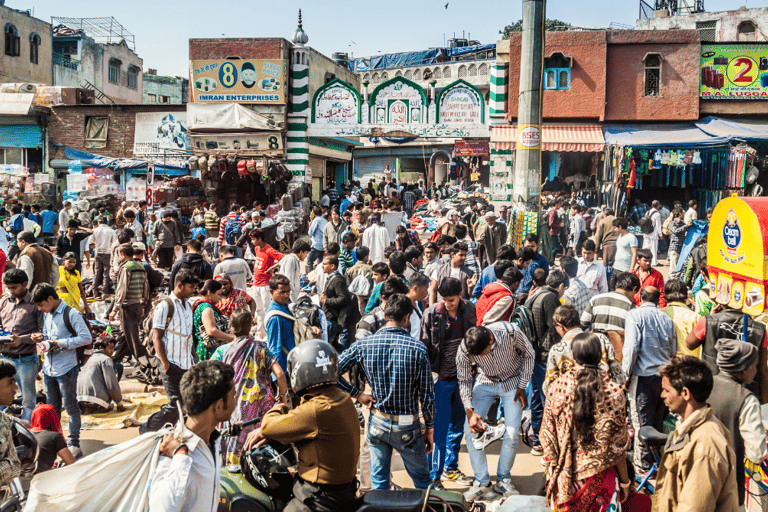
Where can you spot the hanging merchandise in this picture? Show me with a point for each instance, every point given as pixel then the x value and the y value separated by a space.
pixel 520 224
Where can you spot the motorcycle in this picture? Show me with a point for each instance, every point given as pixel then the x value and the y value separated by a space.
pixel 27 451
pixel 263 482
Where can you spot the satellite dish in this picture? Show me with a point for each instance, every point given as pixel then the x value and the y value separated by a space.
pixel 752 174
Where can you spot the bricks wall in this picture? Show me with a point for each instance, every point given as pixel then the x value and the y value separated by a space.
pixel 586 98
pixel 66 125
pixel 680 70
pixel 251 48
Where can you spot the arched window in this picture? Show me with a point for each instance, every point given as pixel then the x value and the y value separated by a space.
pixel 557 72
pixel 747 31
pixel 34 48
pixel 375 78
pixel 384 76
pixel 652 74
pixel 462 71
pixel 408 74
pixel 564 78
pixel 446 72
pixel 367 77
pixel 482 70
pixel 416 74
pixel 472 70
pixel 133 77
pixel 12 41
pixel 551 80
pixel 399 73
pixel 114 71
pixel 437 73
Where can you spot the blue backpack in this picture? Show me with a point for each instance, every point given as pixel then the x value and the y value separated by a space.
pixel 16 223
pixel 232 230
pixel 198 231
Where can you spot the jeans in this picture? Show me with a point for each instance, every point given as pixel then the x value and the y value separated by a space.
pixel 130 322
pixel 482 398
pixel 26 372
pixel 101 279
pixel 314 255
pixel 536 399
pixel 168 413
pixel 449 428
pixel 383 436
pixel 65 387
pixel 647 408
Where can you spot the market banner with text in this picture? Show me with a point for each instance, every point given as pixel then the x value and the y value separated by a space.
pixel 735 71
pixel 239 81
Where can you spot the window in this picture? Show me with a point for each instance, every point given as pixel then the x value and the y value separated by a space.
pixel 707 31
pixel 165 99
pixel 446 72
pixel 12 41
pixel 437 73
pixel 747 31
pixel 482 70
pixel 12 156
pixel 114 71
pixel 384 76
pixel 398 73
pixel 151 98
pixel 462 71
pixel 96 129
pixel 408 74
pixel 472 70
pixel 133 77
pixel 557 72
pixel 34 47
pixel 652 74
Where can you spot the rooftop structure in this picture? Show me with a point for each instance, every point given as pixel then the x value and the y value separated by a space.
pixel 102 30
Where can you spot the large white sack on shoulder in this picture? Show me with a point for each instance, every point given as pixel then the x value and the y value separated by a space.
pixel 115 479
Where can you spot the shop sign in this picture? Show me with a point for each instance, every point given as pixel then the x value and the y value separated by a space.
pixel 529 136
pixel 460 103
pixel 158 132
pixel 241 144
pixel 399 102
pixel 734 72
pixel 12 103
pixel 471 147
pixel 337 103
pixel 736 254
pixel 239 81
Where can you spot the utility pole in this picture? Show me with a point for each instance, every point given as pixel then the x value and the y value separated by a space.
pixel 527 178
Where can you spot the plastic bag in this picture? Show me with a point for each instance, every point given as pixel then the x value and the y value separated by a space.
pixel 81 487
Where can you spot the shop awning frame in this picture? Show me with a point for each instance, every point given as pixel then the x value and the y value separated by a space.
pixel 660 135
pixel 583 138
pixel 734 129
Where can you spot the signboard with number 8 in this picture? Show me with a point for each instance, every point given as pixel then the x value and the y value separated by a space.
pixel 228 75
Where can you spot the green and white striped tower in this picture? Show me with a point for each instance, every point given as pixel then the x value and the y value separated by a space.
pixel 498 96
pixel 297 147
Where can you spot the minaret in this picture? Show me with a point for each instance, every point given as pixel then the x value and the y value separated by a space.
pixel 297 147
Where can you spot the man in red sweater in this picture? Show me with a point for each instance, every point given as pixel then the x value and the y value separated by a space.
pixel 649 276
pixel 497 303
pixel 267 258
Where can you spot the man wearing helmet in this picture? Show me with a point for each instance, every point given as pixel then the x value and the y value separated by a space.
pixel 325 425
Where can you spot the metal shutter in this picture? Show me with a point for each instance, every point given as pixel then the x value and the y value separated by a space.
pixel 372 165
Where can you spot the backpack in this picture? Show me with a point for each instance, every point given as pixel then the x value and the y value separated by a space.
pixel 523 319
pixel 361 285
pixel 232 230
pixel 148 320
pixel 646 226
pixel 86 351
pixel 16 223
pixel 665 227
pixel 306 309
pixel 302 331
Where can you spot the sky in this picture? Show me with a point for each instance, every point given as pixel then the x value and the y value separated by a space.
pixel 163 29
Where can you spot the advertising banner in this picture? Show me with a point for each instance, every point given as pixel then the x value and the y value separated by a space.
pixel 158 132
pixel 471 147
pixel 239 81
pixel 734 71
pixel 243 144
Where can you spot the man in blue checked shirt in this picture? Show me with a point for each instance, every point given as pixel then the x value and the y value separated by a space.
pixel 397 367
pixel 59 341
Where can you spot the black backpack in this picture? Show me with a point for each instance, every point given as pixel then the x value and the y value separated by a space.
pixel 306 309
pixel 86 351
pixel 646 226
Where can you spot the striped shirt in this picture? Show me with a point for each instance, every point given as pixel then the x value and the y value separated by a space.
pixel 606 312
pixel 223 224
pixel 509 364
pixel 178 337
pixel 397 366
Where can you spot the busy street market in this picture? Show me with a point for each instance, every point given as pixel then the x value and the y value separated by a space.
pixel 526 274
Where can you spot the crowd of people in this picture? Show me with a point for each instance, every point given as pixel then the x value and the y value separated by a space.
pixel 422 343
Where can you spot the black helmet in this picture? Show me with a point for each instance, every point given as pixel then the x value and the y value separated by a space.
pixel 268 467
pixel 26 447
pixel 312 364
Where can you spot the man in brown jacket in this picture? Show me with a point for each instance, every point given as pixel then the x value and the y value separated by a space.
pixel 605 237
pixel 132 299
pixel 698 468
pixel 36 261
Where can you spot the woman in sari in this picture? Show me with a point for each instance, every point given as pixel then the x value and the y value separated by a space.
pixel 232 298
pixel 209 325
pixel 584 435
pixel 71 285
pixel 254 366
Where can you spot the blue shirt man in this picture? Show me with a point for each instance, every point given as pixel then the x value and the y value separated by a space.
pixel 316 232
pixel 538 262
pixel 49 219
pixel 279 329
pixel 487 276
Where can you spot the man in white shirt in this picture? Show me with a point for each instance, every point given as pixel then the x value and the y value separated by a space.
pixel 592 272
pixel 290 266
pixel 376 238
pixel 651 240
pixel 418 291
pixel 103 237
pixel 187 476
pixel 172 339
pixel 578 226
pixel 64 217
pixel 691 214
pixel 134 225
pixel 236 268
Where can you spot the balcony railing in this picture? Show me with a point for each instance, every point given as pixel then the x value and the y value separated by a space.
pixel 59 59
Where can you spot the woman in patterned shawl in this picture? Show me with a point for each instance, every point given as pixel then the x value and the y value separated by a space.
pixel 231 297
pixel 584 435
pixel 254 366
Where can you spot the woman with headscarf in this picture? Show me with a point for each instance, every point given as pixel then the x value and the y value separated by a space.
pixel 70 285
pixel 584 435
pixel 46 428
pixel 232 298
pixel 254 367
pixel 209 326
pixel 376 238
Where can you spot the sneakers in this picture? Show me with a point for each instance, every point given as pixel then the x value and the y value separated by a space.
pixel 438 485
pixel 505 488
pixel 77 453
pixel 480 493
pixel 457 476
pixel 537 451
pixel 492 433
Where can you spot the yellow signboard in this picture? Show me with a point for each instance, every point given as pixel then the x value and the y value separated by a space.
pixel 239 81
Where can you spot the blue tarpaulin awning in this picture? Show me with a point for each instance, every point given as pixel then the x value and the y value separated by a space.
pixel 471 49
pixel 119 164
pixel 734 129
pixel 21 136
pixel 680 134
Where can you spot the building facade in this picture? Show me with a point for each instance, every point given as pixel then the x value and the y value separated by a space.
pixel 744 25
pixel 27 42
pixel 165 90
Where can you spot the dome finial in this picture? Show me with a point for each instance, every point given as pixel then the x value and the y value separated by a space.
pixel 300 38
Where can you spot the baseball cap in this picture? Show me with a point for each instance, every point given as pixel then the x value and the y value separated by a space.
pixel 139 246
